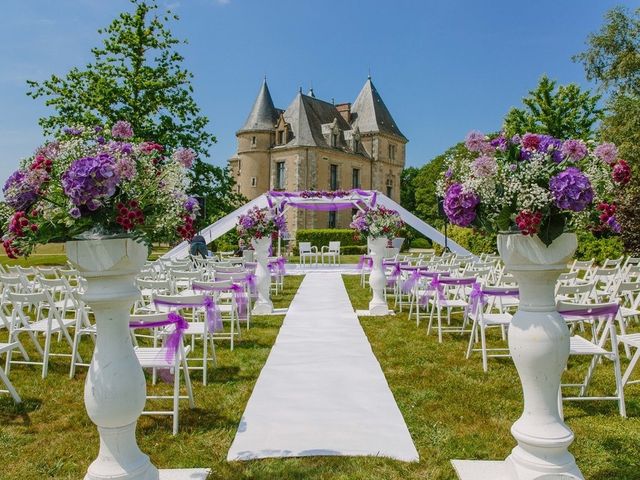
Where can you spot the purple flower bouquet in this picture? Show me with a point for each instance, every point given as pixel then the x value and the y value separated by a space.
pixel 534 185
pixel 260 223
pixel 96 180
pixel 377 222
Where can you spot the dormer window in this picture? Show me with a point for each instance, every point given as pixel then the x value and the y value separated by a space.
pixel 334 139
pixel 282 131
pixel 281 137
pixel 356 145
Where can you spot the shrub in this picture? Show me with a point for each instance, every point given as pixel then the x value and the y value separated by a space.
pixel 353 250
pixel 420 243
pixel 590 247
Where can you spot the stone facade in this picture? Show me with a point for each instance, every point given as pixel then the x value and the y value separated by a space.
pixel 316 145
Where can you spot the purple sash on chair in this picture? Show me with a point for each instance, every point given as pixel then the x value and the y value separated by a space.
pixel 365 261
pixel 239 296
pixel 479 293
pixel 592 312
pixel 214 321
pixel 276 267
pixel 172 342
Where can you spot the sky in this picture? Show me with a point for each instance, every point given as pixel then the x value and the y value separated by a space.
pixel 443 67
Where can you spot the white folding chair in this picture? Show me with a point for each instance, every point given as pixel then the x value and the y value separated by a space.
pixel 192 307
pixel 602 315
pixel 5 348
pixel 451 293
pixel 484 316
pixel 155 358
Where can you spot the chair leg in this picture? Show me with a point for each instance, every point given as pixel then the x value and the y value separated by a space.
pixel 187 382
pixel 45 359
pixel 471 339
pixel 176 396
pixel 629 370
pixel 9 386
pixel 72 369
pixel 616 369
pixel 483 344
pixel 204 360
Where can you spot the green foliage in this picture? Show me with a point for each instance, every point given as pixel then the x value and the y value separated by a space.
pixel 613 60
pixel 613 56
pixel 565 112
pixel 322 237
pixel 474 241
pixel 215 186
pixel 425 185
pixel 599 248
pixel 408 190
pixel 420 243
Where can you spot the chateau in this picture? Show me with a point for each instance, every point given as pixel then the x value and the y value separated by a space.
pixel 317 145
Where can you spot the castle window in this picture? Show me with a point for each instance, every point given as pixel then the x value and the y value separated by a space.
pixel 280 175
pixel 333 177
pixel 389 187
pixel 334 139
pixel 392 152
pixel 280 137
pixel 356 144
pixel 332 219
pixel 238 188
pixel 355 178
pixel 254 182
pixel 253 140
pixel 239 166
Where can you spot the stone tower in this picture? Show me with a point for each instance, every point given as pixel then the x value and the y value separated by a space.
pixel 255 140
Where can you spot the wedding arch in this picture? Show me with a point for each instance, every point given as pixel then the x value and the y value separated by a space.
pixel 322 201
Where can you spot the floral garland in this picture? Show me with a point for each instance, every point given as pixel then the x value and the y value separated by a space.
pixel 377 222
pixel 324 194
pixel 259 223
pixel 101 181
pixel 535 184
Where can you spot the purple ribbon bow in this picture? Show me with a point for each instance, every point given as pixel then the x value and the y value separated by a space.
pixel 214 321
pixel 365 260
pixel 172 343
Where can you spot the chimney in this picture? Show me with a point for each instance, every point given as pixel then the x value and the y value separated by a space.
pixel 344 109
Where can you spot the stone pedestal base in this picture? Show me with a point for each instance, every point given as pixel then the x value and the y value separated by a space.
pixel 184 474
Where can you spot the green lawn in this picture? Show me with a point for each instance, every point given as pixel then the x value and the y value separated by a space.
pixel 452 408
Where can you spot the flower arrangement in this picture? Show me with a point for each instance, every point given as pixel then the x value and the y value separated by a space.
pixel 92 182
pixel 377 222
pixel 260 223
pixel 534 184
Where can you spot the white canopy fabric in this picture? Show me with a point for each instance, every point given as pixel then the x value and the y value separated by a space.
pixel 229 222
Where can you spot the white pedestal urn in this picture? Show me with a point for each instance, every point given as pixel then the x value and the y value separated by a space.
pixel 377 280
pixel 115 388
pixel 263 305
pixel 539 346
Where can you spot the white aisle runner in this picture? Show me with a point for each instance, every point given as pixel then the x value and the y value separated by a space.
pixel 322 391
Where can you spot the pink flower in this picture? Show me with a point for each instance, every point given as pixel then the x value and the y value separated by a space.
pixel 607 152
pixel 125 167
pixel 574 149
pixel 122 129
pixel 484 166
pixel 184 156
pixel 476 141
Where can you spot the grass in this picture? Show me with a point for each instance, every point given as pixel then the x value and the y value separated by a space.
pixel 452 408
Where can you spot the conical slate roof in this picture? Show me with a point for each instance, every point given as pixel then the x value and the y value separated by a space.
pixel 371 114
pixel 263 114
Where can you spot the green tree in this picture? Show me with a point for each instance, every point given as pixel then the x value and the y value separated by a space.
pixel 425 185
pixel 407 188
pixel 563 111
pixel 612 59
pixel 137 76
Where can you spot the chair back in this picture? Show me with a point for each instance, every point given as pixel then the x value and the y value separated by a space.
pixel 334 247
pixel 304 247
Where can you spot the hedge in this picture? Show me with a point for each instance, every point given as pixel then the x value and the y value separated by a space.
pixel 322 237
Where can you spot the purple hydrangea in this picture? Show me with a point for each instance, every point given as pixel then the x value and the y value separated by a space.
pixel 122 129
pixel 73 131
pixel 460 206
pixel 607 152
pixel 499 143
pixel 613 224
pixel 19 192
pixel 125 168
pixel 184 156
pixel 90 180
pixel 476 141
pixel 571 190
pixel 191 205
pixel 574 150
pixel 551 146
